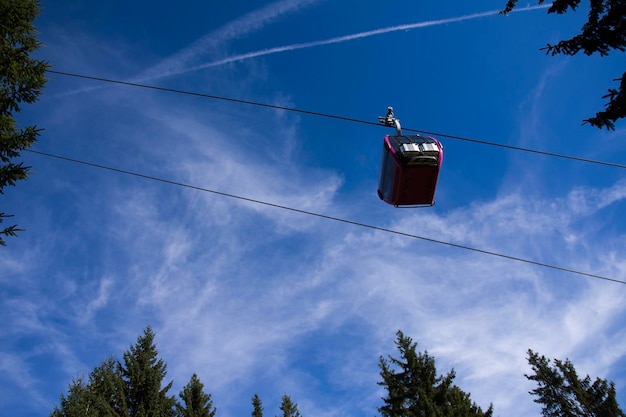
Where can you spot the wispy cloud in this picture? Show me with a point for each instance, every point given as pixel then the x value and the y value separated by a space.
pixel 180 62
pixel 253 295
pixel 17 371
pixel 473 313
pixel 251 22
pixel 100 300
pixel 347 38
pixel 216 283
pixel 207 45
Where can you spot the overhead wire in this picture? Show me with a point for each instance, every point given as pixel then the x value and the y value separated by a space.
pixel 327 217
pixel 337 117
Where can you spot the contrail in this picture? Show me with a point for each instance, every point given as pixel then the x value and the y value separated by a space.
pixel 244 25
pixel 347 38
pixel 173 67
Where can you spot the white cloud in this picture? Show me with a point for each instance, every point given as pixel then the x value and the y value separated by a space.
pixel 98 302
pixel 17 372
pixel 210 43
pixel 214 279
pixel 472 312
pixel 347 38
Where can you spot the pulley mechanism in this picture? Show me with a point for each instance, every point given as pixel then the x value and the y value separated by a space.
pixel 391 121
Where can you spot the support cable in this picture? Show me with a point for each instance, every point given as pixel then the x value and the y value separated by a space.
pixel 336 117
pixel 327 217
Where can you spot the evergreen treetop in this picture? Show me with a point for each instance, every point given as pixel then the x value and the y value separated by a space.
pixel 288 407
pixel 143 372
pixel 415 390
pixel 195 402
pixel 257 406
pixel 563 394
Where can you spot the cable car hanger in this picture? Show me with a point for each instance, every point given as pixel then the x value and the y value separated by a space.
pixel 390 121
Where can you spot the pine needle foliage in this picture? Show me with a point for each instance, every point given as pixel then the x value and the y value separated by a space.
pixel 78 401
pixel 101 395
pixel 143 372
pixel 133 388
pixel 563 394
pixel 288 407
pixel 414 389
pixel 129 389
pixel 257 406
pixel 22 80
pixel 195 402
pixel 604 31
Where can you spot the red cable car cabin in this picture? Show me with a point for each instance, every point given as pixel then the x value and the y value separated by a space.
pixel 409 170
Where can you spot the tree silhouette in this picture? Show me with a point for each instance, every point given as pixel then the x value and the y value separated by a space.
pixel 21 81
pixel 604 31
pixel 196 403
pixel 562 393
pixel 257 406
pixel 143 372
pixel 288 407
pixel 415 390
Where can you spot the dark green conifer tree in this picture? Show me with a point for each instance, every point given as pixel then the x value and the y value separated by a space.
pixel 288 407
pixel 143 372
pixel 415 390
pixel 21 81
pixel 604 31
pixel 257 406
pixel 78 402
pixel 195 402
pixel 107 386
pixel 563 394
pixel 101 395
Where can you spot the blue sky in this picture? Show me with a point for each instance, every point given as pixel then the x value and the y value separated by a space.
pixel 256 299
